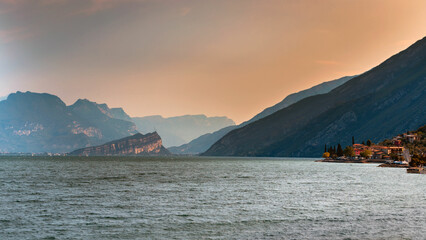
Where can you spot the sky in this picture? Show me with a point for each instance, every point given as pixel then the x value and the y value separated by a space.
pixel 215 57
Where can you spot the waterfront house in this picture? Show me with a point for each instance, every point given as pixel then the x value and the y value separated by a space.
pixel 378 152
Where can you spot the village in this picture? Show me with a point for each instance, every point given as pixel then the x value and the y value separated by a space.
pixel 406 150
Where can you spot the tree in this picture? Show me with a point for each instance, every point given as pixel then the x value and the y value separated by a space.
pixel 394 156
pixel 369 143
pixel 363 143
pixel 325 148
pixel 366 153
pixel 326 155
pixel 417 160
pixel 349 151
pixel 353 140
pixel 330 150
pixel 339 150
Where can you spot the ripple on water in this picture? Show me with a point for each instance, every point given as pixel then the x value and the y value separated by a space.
pixel 190 198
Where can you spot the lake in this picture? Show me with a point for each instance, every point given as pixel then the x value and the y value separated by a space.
pixel 207 198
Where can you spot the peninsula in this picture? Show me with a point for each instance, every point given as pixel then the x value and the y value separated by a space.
pixel 137 145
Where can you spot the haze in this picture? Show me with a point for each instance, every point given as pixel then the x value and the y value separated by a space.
pixel 218 58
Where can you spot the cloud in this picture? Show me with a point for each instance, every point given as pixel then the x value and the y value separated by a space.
pixel 50 2
pixel 15 2
pixel 12 5
pixel 11 35
pixel 10 1
pixel 88 7
pixel 96 6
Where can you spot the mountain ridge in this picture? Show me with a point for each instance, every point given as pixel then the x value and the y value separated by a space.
pixel 179 130
pixel 42 122
pixel 205 141
pixel 394 86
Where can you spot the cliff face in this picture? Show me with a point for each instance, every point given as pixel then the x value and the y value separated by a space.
pixel 138 144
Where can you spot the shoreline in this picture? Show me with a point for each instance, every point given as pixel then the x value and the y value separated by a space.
pixel 383 163
pixel 353 161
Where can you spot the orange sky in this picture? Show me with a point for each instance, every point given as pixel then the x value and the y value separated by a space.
pixel 169 57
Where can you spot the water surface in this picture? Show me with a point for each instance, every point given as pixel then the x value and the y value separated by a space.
pixel 207 198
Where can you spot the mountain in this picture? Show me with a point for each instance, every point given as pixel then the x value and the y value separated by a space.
pixel 375 105
pixel 40 122
pixel 100 115
pixel 138 144
pixel 322 88
pixel 119 113
pixel 204 142
pixel 182 129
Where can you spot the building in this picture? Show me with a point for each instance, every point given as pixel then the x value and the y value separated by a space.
pixel 378 152
pixel 396 141
pixel 396 150
pixel 411 137
pixel 358 148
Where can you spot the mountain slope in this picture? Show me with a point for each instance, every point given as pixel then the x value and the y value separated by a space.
pixel 322 88
pixel 182 129
pixel 101 116
pixel 119 113
pixel 138 144
pixel 204 142
pixel 31 122
pixel 34 122
pixel 377 104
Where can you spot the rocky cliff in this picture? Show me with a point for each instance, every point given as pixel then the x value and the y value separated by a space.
pixel 138 144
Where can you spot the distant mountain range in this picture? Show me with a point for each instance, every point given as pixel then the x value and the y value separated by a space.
pixel 380 103
pixel 40 122
pixel 136 145
pixel 35 122
pixel 179 130
pixel 204 142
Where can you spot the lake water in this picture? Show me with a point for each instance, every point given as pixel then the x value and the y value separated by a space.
pixel 207 198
